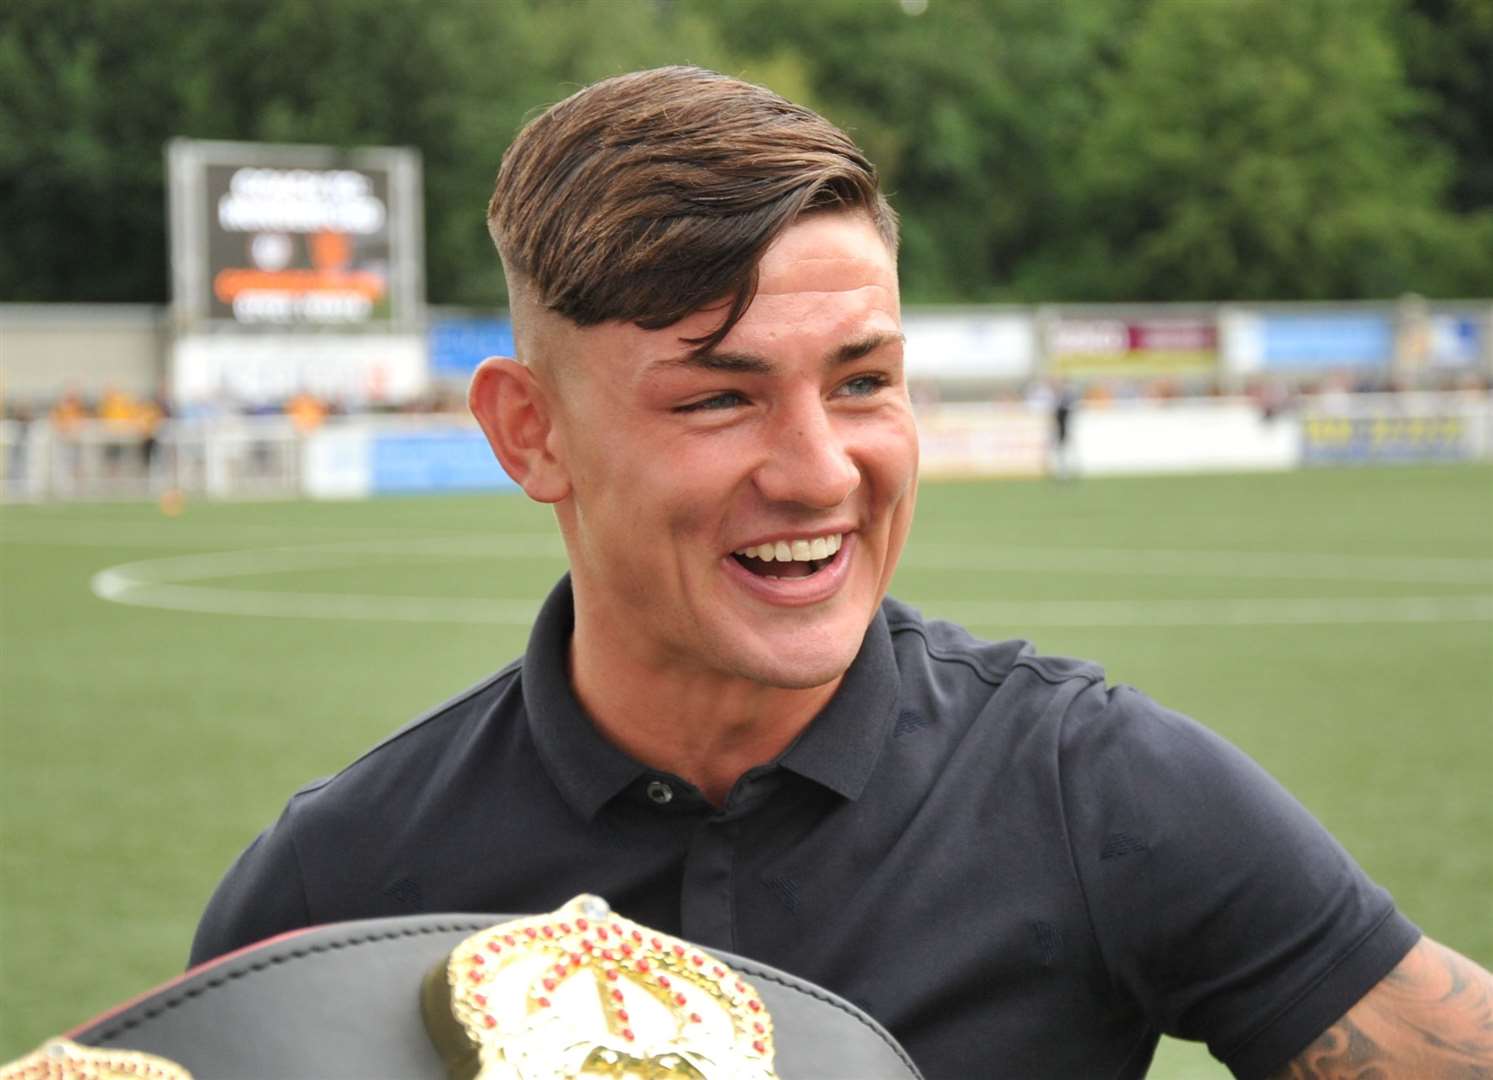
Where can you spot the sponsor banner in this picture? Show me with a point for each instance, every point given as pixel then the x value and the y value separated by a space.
pixel 267 369
pixel 1326 342
pixel 457 346
pixel 982 440
pixel 1354 440
pixel 969 345
pixel 1171 345
pixel 280 236
pixel 1456 341
pixel 436 459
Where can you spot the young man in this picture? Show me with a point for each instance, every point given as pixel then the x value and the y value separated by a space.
pixel 724 727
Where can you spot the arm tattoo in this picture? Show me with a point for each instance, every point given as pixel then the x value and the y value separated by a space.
pixel 1430 1018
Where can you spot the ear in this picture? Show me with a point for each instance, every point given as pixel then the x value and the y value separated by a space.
pixel 515 415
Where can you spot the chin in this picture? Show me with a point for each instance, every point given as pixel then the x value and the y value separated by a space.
pixel 801 665
pixel 799 678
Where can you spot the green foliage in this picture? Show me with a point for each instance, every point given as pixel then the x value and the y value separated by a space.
pixel 1448 48
pixel 1091 149
pixel 1260 149
pixel 970 110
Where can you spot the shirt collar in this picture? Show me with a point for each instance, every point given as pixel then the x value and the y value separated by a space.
pixel 841 747
pixel 588 770
pixel 839 750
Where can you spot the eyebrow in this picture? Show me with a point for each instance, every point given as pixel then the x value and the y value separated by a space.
pixel 737 363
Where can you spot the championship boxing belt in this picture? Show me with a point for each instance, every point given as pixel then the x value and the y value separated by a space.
pixel 579 992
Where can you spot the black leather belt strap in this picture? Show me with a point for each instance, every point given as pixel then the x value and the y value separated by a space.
pixel 344 1001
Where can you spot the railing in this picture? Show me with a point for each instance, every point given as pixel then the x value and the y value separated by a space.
pixel 270 457
pixel 242 457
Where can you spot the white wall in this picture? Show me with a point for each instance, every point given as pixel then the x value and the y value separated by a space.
pixel 46 349
pixel 1203 435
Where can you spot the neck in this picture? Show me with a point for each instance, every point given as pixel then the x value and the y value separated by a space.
pixel 705 727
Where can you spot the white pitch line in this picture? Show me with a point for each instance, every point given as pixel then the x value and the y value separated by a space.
pixel 115 581
pixel 166 583
pixel 305 605
pixel 160 583
pixel 1254 611
pixel 1227 564
pixel 1016 617
pixel 1294 566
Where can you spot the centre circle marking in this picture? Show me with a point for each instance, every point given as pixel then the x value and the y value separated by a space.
pixel 174 583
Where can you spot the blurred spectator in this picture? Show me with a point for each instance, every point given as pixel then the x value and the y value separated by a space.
pixel 67 417
pixel 68 413
pixel 1271 397
pixel 1098 394
pixel 133 423
pixel 1065 401
pixel 1059 400
pixel 306 412
pixel 153 413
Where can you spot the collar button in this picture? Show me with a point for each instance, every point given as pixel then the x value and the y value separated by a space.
pixel 659 792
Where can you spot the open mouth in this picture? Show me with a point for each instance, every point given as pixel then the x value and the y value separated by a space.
pixel 790 558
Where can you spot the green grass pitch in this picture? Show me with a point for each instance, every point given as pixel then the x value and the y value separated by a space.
pixel 1336 624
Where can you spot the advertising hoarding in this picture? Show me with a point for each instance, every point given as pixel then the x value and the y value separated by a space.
pixel 1385 439
pixel 1308 342
pixel 252 370
pixel 458 344
pixel 982 439
pixel 450 459
pixel 1132 347
pixel 1456 341
pixel 971 345
pixel 389 457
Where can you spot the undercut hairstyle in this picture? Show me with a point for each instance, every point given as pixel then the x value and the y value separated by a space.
pixel 646 197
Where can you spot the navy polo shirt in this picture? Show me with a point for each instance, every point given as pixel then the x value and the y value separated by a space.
pixel 1017 869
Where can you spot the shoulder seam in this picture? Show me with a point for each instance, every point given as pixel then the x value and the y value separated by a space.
pixel 983 674
pixel 1032 664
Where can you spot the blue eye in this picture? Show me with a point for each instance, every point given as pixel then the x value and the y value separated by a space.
pixel 728 400
pixel 864 385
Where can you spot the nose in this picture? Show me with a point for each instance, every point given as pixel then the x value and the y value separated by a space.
pixel 808 460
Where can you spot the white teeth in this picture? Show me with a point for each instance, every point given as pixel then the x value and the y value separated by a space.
pixel 820 547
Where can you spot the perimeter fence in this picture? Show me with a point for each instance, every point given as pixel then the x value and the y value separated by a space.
pixel 269 457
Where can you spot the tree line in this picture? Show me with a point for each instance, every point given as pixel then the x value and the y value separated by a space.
pixel 1037 150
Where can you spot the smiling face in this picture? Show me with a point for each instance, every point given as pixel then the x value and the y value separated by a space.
pixel 740 514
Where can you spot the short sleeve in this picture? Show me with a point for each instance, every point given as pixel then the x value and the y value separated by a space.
pixel 1221 905
pixel 263 894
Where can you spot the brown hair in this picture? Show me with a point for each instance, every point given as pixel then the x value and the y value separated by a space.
pixel 647 196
